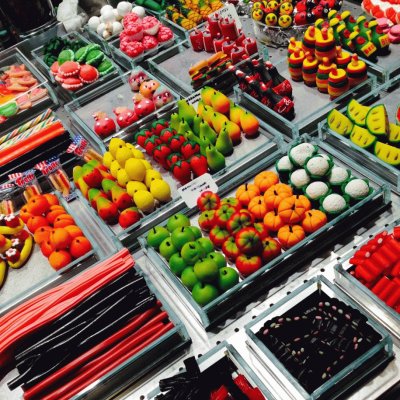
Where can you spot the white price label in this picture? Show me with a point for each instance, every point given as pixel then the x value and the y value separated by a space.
pixel 193 98
pixel 229 11
pixel 192 190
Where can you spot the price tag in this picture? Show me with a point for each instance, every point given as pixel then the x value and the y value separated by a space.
pixel 192 190
pixel 193 98
pixel 229 11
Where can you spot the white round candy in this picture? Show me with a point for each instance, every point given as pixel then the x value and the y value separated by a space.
pixel 94 22
pixel 106 8
pixel 140 11
pixel 100 29
pixel 106 34
pixel 124 7
pixel 116 28
pixel 108 16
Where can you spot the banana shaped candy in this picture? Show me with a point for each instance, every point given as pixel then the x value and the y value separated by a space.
pixel 23 255
pixel 10 224
pixel 3 272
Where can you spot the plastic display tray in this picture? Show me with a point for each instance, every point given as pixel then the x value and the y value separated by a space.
pixel 172 66
pixel 289 260
pixel 179 30
pixel 156 354
pixel 308 113
pixel 216 354
pixel 245 154
pixel 115 93
pixel 373 164
pixel 67 94
pixel 14 57
pixel 37 275
pixel 366 365
pixel 373 305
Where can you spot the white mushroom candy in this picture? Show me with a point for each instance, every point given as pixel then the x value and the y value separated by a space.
pixel 140 11
pixel 108 16
pixel 116 28
pixel 100 29
pixel 106 8
pixel 94 22
pixel 124 7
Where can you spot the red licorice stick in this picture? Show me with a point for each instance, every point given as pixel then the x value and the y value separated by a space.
pixel 107 364
pixel 395 245
pixel 380 285
pixel 390 253
pixel 394 297
pixel 387 291
pixel 396 280
pixel 368 274
pixel 396 269
pixel 59 301
pixel 96 273
pixel 379 260
pixel 220 394
pixel 133 325
pixel 396 232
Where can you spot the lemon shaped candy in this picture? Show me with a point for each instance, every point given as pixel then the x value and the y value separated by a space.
pixel 144 200
pixel 107 159
pixel 160 190
pixel 133 186
pixel 135 169
pixel 151 174
pixel 115 144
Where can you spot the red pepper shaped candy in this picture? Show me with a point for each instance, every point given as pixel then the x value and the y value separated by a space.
pixel 199 165
pixel 182 171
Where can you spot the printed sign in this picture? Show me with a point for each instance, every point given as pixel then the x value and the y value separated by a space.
pixel 192 190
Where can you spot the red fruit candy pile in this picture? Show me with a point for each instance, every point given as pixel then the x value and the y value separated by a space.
pixel 377 266
pixel 140 35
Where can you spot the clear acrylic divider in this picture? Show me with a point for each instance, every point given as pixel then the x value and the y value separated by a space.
pixel 289 260
pixel 343 381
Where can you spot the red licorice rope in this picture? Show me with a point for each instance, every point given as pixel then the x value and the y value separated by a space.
pixel 136 323
pixel 110 360
pixel 47 307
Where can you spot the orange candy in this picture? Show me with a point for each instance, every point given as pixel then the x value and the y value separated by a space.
pixel 264 180
pixel 246 192
pixel 292 209
pixel 74 231
pixel 60 238
pixel 80 246
pixel 275 194
pixel 59 259
pixel 42 234
pixel 38 205
pixel 257 207
pixel 63 220
pixel 36 222
pixel 290 235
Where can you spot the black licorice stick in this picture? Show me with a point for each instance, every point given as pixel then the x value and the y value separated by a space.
pixel 86 303
pixel 97 337
pixel 102 304
pixel 55 356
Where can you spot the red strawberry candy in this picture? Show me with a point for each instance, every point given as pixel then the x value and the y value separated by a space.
pixel 182 171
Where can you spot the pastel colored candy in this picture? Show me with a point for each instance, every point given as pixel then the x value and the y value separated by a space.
pixel 383 22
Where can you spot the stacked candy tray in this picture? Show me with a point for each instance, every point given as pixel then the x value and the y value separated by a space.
pixel 282 265
pixel 352 143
